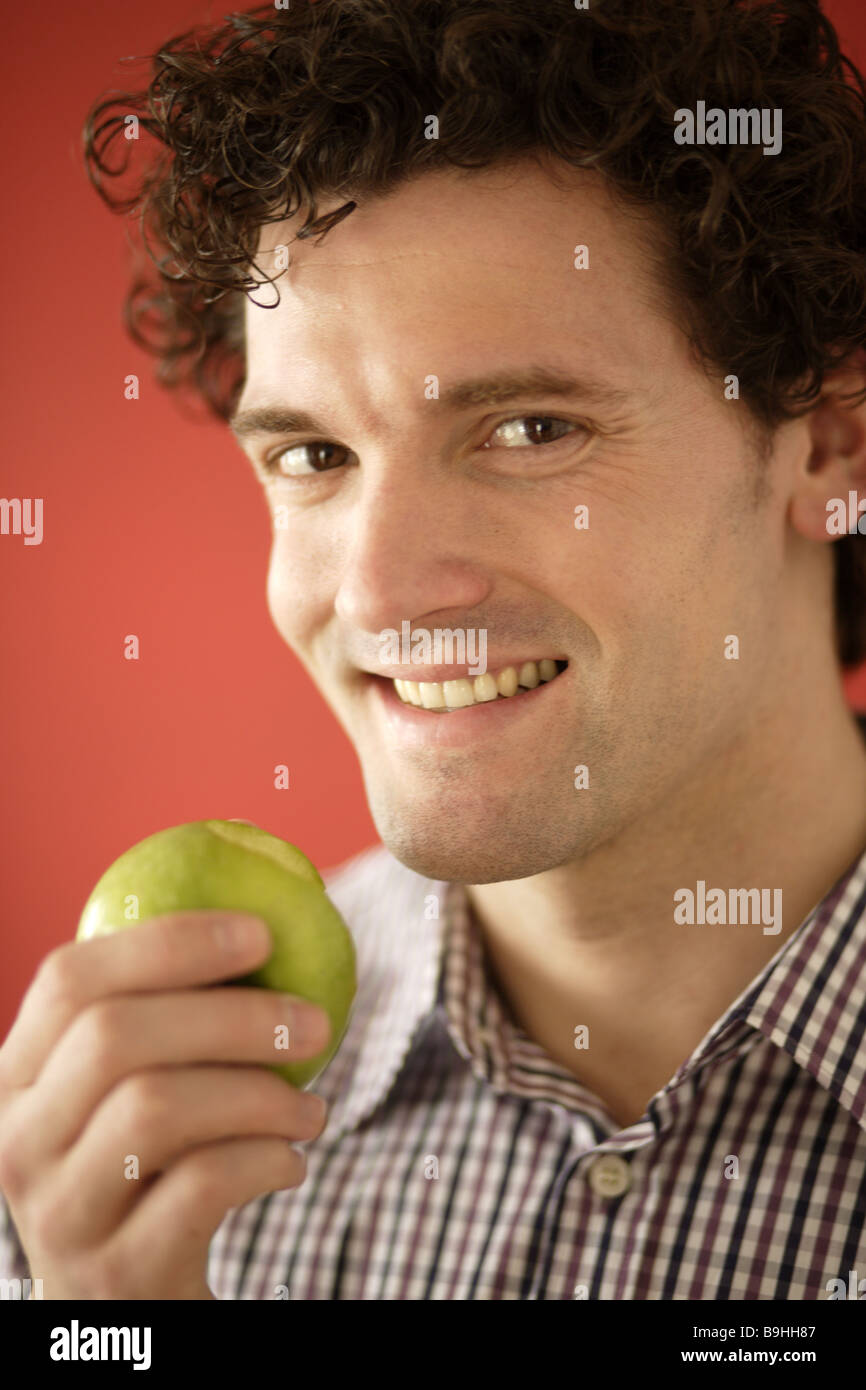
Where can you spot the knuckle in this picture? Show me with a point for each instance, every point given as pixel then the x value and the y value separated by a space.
pixel 203 1182
pixel 103 1029
pixel 58 979
pixel 144 1103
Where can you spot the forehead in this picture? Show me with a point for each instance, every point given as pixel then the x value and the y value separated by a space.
pixel 462 261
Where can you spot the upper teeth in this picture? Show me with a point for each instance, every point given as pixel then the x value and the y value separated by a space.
pixel 457 694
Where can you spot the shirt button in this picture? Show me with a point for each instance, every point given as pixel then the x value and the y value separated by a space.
pixel 609 1176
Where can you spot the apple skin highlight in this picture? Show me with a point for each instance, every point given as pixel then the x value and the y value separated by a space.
pixel 235 867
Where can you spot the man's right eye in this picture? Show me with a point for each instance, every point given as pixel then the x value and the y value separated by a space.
pixel 304 459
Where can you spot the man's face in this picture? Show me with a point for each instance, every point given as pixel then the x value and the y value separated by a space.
pixel 398 506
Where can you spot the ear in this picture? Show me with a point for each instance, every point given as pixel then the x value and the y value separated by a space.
pixel 836 465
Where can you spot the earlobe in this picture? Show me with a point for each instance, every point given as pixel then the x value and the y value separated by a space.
pixel 810 515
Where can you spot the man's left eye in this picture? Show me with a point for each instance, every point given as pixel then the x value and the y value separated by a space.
pixel 542 429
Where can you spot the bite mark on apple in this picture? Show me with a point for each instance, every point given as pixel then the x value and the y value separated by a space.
pixel 253 838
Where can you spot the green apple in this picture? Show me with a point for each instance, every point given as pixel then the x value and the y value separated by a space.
pixel 238 867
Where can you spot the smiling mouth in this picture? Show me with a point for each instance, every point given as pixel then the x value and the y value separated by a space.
pixel 441 697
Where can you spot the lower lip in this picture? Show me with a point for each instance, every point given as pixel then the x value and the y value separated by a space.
pixel 414 727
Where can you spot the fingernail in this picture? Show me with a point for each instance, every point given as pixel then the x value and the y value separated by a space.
pixel 242 933
pixel 307 1022
pixel 315 1108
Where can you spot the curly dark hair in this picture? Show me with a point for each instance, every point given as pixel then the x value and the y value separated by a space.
pixel 262 118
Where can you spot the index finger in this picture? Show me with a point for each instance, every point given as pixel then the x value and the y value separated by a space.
pixel 173 951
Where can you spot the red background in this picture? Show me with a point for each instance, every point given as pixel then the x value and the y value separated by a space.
pixel 153 525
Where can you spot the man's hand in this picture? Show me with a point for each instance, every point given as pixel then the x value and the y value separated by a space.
pixel 118 1055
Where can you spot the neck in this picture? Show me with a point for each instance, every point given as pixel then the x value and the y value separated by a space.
pixel 595 941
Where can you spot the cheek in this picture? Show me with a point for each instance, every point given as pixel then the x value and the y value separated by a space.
pixel 296 590
pixel 655 604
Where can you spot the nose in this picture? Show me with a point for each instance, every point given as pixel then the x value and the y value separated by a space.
pixel 410 553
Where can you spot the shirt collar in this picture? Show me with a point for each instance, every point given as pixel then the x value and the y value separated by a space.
pixel 419 952
pixel 395 917
pixel 808 999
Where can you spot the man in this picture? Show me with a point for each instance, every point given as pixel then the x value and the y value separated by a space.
pixel 570 378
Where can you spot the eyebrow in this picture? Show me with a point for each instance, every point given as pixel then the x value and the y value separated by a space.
pixel 483 390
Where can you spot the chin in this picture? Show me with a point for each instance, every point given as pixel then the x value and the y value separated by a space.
pixel 491 853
